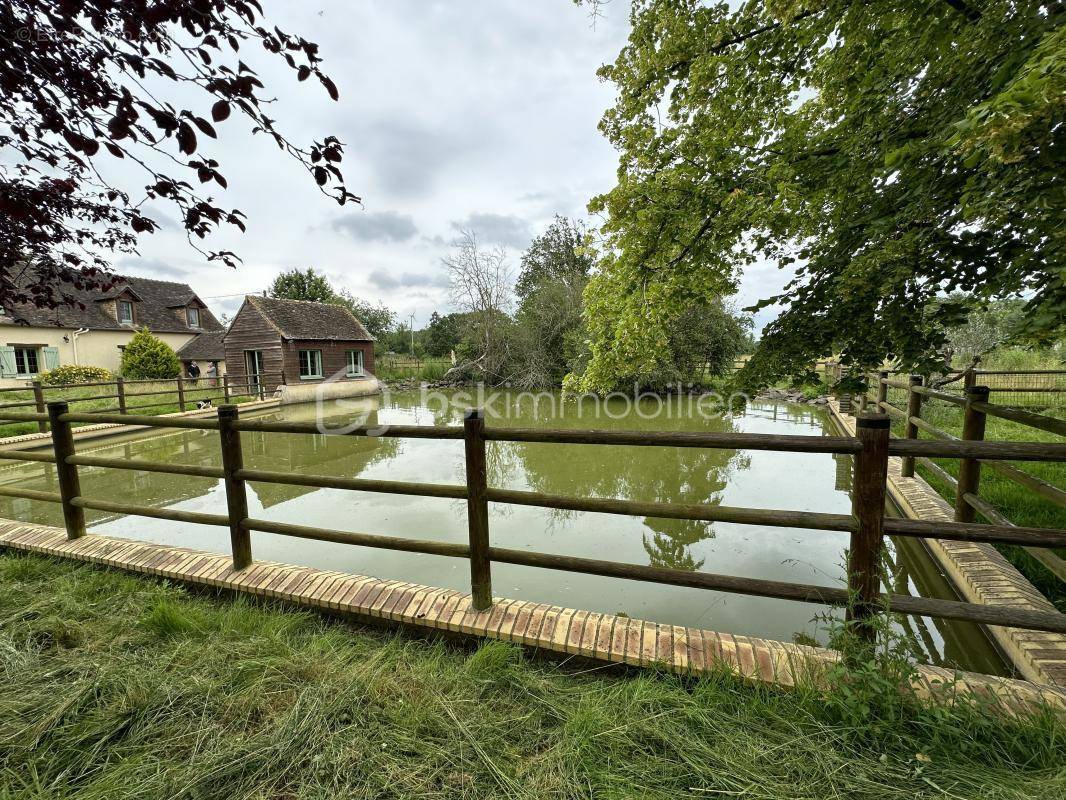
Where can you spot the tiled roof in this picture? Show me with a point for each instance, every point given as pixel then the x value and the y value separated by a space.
pixel 205 347
pixel 303 319
pixel 154 306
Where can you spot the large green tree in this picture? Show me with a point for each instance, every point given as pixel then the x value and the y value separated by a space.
pixel 888 152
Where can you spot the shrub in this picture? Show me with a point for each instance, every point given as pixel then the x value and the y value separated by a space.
pixel 149 357
pixel 74 373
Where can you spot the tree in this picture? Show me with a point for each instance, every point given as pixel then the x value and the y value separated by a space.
pixel 549 337
pixel 305 284
pixel 309 284
pixel 886 151
pixel 443 334
pixel 86 82
pixel 481 287
pixel 984 329
pixel 148 357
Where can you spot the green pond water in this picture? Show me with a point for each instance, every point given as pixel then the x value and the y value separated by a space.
pixel 799 481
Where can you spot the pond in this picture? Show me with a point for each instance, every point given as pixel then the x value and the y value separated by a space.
pixel 757 479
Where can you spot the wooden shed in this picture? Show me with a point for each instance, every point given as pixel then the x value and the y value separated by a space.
pixel 305 342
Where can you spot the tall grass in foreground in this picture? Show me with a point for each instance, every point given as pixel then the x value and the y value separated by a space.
pixel 116 686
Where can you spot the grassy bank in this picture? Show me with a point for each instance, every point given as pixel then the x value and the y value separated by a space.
pixel 117 686
pixel 1017 503
pixel 162 397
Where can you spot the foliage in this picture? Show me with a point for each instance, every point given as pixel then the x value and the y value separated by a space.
pixel 86 82
pixel 67 374
pixel 148 357
pixel 886 151
pixel 550 335
pixel 309 284
pixel 444 333
pixel 985 329
pixel 122 687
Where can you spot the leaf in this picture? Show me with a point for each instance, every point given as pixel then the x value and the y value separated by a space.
pixel 114 150
pixel 220 111
pixel 321 176
pixel 205 127
pixel 303 73
pixel 331 87
pixel 186 138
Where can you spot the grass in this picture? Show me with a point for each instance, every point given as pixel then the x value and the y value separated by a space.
pixel 116 686
pixel 161 403
pixel 1018 504
pixel 427 369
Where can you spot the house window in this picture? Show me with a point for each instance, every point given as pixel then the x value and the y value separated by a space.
pixel 355 363
pixel 192 315
pixel 125 312
pixel 26 362
pixel 310 363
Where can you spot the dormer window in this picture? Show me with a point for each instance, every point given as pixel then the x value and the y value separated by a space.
pixel 125 312
pixel 192 316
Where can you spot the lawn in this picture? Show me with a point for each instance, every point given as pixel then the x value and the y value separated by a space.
pixel 118 686
pixel 1018 504
pixel 162 397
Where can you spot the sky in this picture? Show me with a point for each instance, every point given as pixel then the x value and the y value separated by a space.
pixel 478 114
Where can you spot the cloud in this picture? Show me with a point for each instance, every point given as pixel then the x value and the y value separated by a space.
pixel 151 268
pixel 381 226
pixel 387 281
pixel 505 229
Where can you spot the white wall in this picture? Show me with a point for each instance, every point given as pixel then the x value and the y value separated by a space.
pixel 95 348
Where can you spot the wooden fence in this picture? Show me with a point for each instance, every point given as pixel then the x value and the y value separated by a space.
pixel 867 524
pixel 186 392
pixel 975 407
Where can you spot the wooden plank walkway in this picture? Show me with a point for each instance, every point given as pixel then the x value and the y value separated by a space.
pixel 605 638
pixel 980 574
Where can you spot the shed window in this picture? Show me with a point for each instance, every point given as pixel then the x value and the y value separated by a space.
pixel 192 315
pixel 125 312
pixel 355 363
pixel 310 363
pixel 26 362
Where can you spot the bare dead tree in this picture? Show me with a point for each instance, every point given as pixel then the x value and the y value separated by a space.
pixel 481 285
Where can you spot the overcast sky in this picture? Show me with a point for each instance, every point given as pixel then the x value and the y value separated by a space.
pixel 475 113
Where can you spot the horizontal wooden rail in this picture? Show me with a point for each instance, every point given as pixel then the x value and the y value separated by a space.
pixel 145 466
pixel 933 394
pixel 196 517
pixel 357 484
pixel 992 514
pixel 388 431
pixel 897 384
pixel 994 450
pixel 23 416
pixel 143 420
pixel 975 532
pixel 940 472
pixel 701 511
pixel 1049 492
pixel 22 455
pixel 31 494
pixel 932 430
pixel 453 549
pixel 1039 421
pixel 921 606
pixel 21 404
pixel 727 441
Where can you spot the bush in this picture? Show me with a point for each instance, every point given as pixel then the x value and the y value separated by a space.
pixel 75 373
pixel 149 357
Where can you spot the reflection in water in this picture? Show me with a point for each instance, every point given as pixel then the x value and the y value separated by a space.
pixel 800 481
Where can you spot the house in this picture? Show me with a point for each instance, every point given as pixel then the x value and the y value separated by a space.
pixel 96 327
pixel 300 345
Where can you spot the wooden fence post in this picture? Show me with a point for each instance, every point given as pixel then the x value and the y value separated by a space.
pixel 225 388
pixel 120 384
pixel 181 394
pixel 477 509
pixel 868 509
pixel 38 398
pixel 67 474
pixel 973 430
pixel 914 409
pixel 236 494
pixel 882 391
